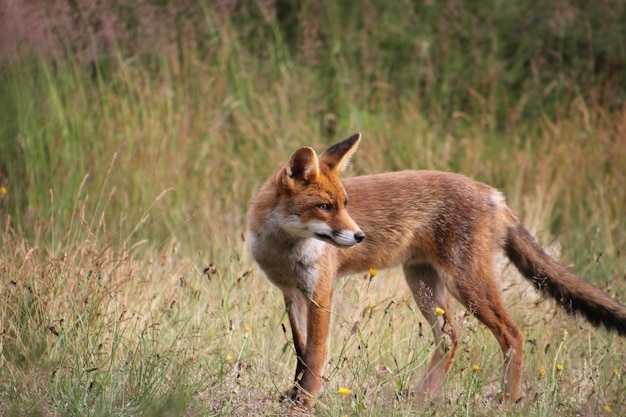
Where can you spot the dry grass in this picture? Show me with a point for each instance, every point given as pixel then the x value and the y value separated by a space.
pixel 101 321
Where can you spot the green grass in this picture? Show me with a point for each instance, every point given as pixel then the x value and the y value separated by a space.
pixel 126 287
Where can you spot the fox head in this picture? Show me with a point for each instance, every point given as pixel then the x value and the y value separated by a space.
pixel 312 198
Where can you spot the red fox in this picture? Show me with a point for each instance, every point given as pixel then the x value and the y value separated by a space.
pixel 306 226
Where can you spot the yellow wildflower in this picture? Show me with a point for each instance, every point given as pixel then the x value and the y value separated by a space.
pixel 542 372
pixel 373 272
pixel 3 191
pixel 228 358
pixel 475 368
pixel 559 367
pixel 608 409
pixel 439 311
pixel 344 391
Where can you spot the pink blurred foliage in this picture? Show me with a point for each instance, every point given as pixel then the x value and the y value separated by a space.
pixel 87 29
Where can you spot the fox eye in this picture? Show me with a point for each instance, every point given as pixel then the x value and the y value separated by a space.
pixel 325 207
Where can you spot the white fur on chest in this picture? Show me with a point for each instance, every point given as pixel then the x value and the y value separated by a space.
pixel 288 262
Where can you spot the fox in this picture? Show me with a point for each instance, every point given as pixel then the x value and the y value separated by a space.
pixel 307 226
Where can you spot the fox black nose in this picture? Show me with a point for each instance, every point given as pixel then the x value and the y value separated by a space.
pixel 359 236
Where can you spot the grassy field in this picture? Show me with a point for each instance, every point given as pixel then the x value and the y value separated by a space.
pixel 126 288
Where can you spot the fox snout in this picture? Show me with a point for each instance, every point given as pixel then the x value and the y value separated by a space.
pixel 344 238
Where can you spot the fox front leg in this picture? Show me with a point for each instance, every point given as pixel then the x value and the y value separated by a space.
pixel 310 343
pixel 297 310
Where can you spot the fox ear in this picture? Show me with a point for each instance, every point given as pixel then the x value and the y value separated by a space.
pixel 303 165
pixel 338 155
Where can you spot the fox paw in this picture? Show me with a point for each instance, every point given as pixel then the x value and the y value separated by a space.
pixel 289 395
pixel 298 398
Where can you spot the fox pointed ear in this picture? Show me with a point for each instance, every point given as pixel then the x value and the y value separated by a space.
pixel 303 165
pixel 338 155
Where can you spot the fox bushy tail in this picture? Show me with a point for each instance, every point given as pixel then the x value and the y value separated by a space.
pixel 573 294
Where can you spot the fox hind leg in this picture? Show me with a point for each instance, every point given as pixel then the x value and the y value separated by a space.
pixel 480 294
pixel 430 293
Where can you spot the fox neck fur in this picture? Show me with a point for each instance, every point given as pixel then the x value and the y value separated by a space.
pixel 288 261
